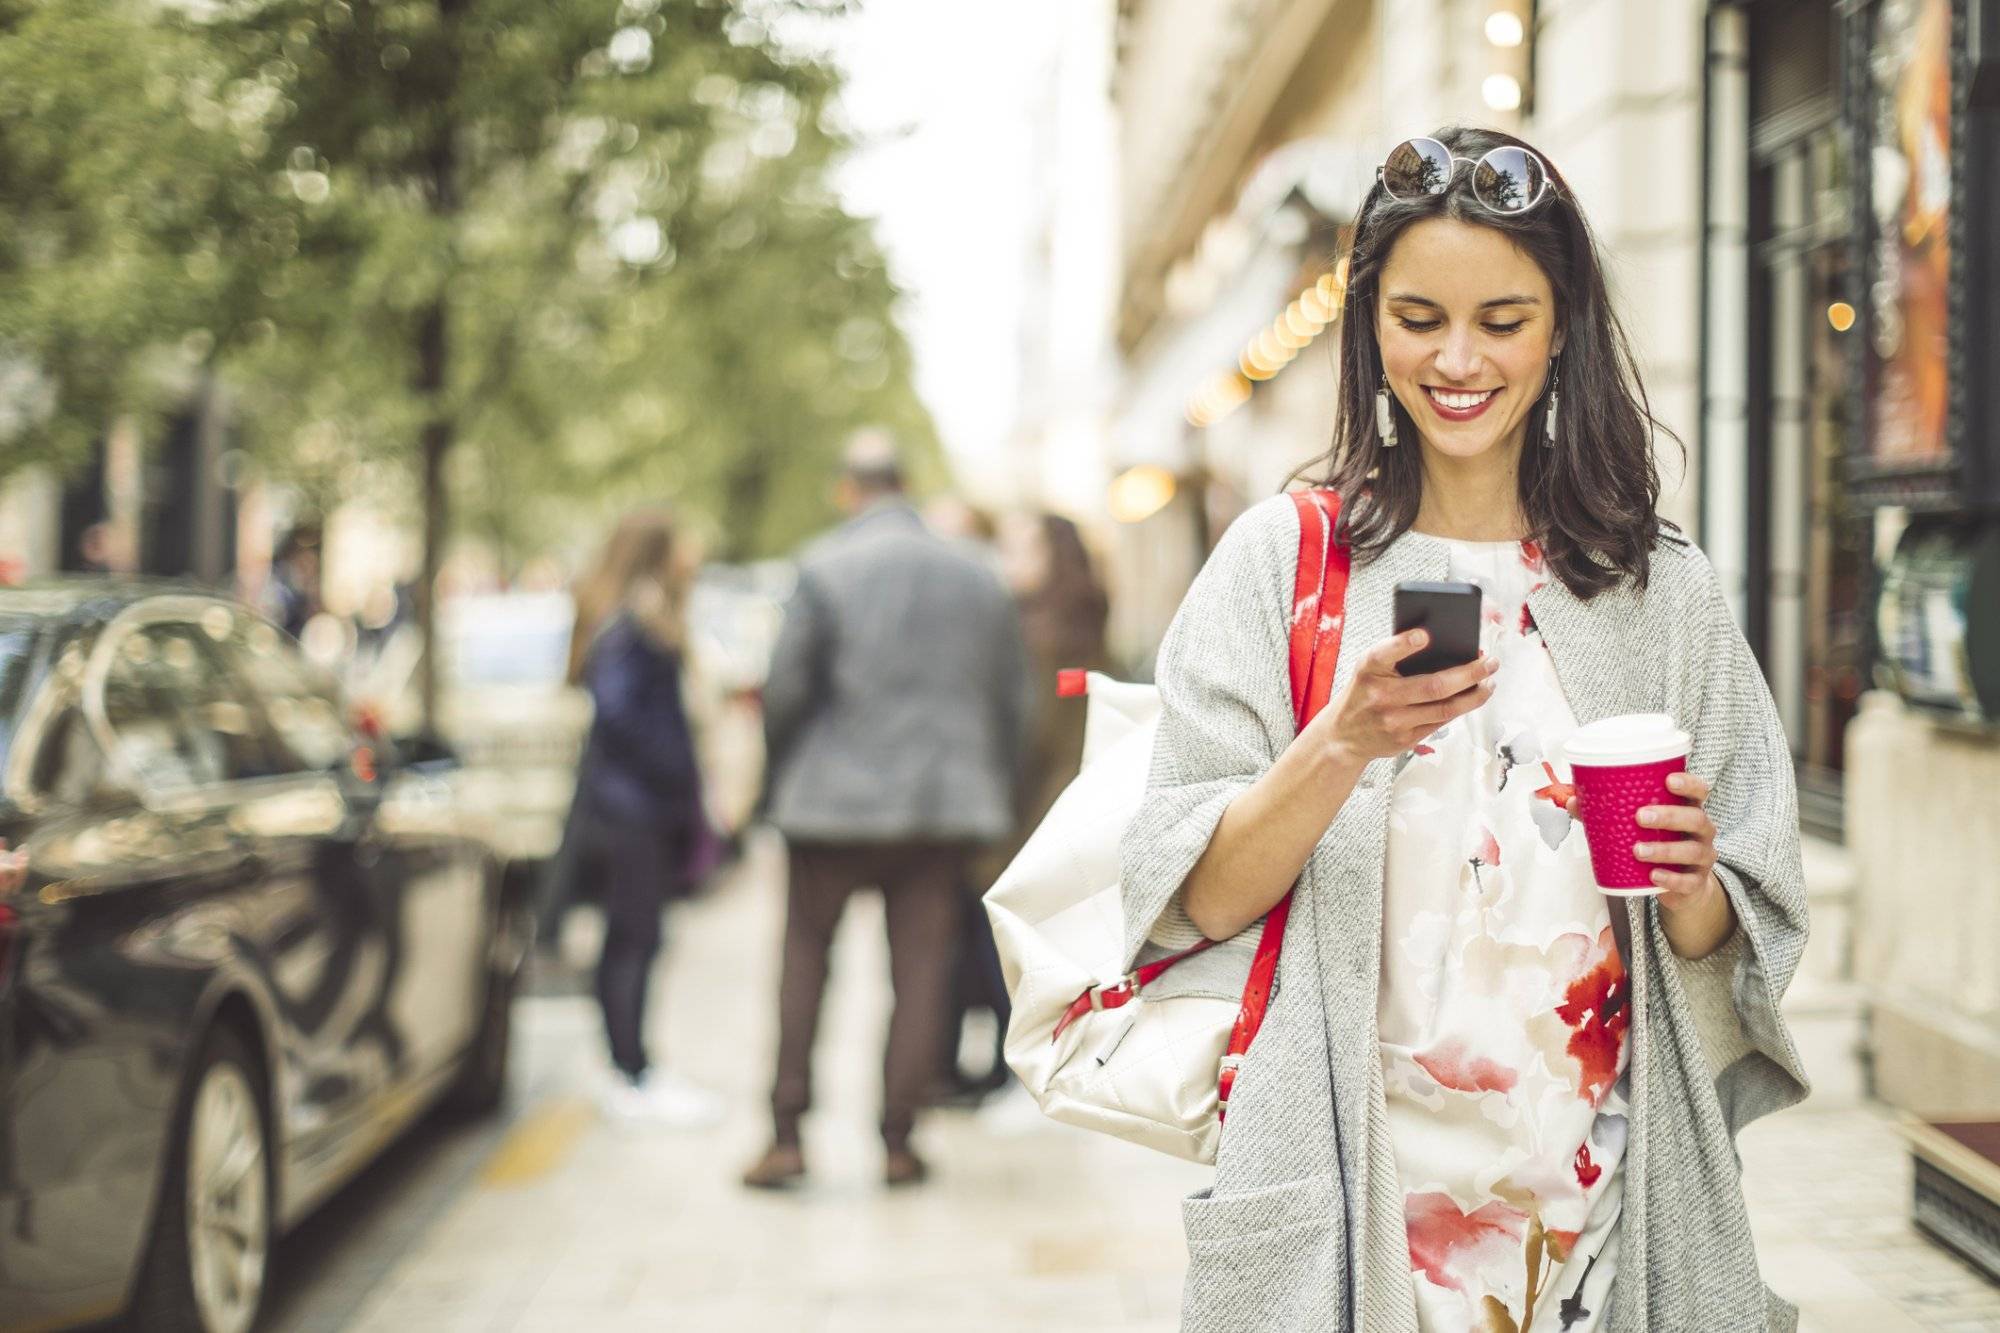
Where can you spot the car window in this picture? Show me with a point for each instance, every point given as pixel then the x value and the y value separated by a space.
pixel 69 768
pixel 176 720
pixel 17 642
pixel 68 764
pixel 298 701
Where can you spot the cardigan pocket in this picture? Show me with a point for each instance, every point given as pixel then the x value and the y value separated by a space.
pixel 1269 1259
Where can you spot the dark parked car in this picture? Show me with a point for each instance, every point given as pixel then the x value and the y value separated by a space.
pixel 239 951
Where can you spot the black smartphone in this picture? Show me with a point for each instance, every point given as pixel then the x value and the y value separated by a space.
pixel 1450 612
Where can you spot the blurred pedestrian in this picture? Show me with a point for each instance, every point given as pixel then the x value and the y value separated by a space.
pixel 894 717
pixel 638 805
pixel 609 584
pixel 1063 609
pixel 292 596
pixel 94 549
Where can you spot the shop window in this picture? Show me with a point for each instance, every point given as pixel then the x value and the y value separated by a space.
pixel 1807 542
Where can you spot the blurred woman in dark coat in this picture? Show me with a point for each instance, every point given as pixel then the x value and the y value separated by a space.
pixel 639 798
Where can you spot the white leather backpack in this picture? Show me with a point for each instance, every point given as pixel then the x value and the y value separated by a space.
pixel 1147 1056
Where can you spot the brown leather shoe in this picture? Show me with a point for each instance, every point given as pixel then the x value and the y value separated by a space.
pixel 782 1166
pixel 903 1167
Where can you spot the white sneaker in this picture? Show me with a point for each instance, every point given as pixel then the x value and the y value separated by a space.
pixel 661 1098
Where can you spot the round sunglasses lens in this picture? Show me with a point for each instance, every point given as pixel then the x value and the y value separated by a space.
pixel 1508 180
pixel 1415 168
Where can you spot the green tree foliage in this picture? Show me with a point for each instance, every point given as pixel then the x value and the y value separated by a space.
pixel 568 253
pixel 124 170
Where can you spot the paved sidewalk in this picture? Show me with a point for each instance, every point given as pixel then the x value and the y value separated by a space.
pixel 1829 1195
pixel 578 1224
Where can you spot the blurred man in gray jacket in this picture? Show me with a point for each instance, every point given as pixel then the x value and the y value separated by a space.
pixel 894 718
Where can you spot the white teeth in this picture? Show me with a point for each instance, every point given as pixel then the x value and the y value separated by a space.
pixel 1458 402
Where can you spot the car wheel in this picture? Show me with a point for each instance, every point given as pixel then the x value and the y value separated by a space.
pixel 482 1083
pixel 212 1241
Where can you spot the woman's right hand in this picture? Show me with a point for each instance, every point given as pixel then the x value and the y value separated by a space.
pixel 1381 714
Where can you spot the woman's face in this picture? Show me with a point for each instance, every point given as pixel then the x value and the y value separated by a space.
pixel 1024 552
pixel 1466 324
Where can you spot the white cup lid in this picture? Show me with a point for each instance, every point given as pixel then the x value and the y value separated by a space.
pixel 1635 738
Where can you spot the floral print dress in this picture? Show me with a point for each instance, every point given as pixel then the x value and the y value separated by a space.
pixel 1502 1014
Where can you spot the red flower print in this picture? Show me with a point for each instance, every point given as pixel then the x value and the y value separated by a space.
pixel 1448 1246
pixel 1423 749
pixel 1594 1006
pixel 1587 1171
pixel 1455 1068
pixel 1561 1243
pixel 1558 792
pixel 1487 855
pixel 1531 556
pixel 1527 620
pixel 1489 848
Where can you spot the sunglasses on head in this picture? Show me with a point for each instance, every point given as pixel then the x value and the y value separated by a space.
pixel 1504 179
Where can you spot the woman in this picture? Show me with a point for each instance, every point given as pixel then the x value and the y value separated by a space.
pixel 639 796
pixel 621 566
pixel 1063 610
pixel 1461 1112
pixel 607 585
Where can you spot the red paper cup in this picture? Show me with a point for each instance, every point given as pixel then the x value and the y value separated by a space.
pixel 1619 766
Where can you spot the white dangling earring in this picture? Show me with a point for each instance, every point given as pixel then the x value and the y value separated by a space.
pixel 1549 416
pixel 1385 420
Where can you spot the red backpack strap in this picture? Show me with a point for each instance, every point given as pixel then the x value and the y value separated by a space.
pixel 1319 605
pixel 1315 535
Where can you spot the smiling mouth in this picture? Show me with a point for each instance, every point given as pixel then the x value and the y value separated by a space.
pixel 1455 405
pixel 1459 401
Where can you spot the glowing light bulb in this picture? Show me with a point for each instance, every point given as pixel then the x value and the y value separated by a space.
pixel 1503 28
pixel 1140 492
pixel 1501 92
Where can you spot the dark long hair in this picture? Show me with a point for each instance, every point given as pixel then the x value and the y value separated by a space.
pixel 1063 619
pixel 644 549
pixel 1590 501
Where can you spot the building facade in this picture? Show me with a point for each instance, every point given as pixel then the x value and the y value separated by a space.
pixel 1795 198
pixel 1249 134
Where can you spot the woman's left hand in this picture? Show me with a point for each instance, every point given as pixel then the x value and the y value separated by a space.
pixel 1687 877
pixel 1695 910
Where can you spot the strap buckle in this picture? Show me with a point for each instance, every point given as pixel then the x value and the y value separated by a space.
pixel 1126 989
pixel 1225 1083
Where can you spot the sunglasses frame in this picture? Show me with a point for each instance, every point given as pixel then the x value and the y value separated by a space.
pixel 1541 195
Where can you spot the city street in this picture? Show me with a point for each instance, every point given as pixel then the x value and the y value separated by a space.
pixel 554 1219
pixel 445 440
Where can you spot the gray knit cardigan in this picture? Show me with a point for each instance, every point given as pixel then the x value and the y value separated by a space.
pixel 1303 1228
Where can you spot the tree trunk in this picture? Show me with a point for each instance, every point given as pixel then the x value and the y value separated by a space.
pixel 439 171
pixel 746 489
pixel 209 550
pixel 432 350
